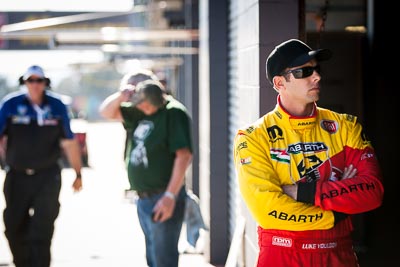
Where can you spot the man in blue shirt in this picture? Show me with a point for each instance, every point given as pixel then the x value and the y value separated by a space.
pixel 34 128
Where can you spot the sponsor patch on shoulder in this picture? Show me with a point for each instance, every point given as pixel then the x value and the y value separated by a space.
pixel 350 118
pixel 250 129
pixel 245 161
pixel 366 155
pixel 329 126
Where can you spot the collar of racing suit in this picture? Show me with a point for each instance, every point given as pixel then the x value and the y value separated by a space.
pixel 297 123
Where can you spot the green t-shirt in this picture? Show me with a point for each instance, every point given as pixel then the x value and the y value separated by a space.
pixel 153 142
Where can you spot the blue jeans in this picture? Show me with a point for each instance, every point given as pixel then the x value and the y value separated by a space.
pixel 161 238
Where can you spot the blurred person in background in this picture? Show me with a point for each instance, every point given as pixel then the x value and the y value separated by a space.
pixel 159 154
pixel 127 85
pixel 34 129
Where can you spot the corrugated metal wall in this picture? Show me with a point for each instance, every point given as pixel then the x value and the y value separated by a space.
pixel 243 108
pixel 233 105
pixel 252 35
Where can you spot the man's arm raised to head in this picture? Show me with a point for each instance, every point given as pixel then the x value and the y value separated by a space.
pixel 110 107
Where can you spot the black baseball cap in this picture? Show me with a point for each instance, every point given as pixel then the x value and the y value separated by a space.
pixel 292 53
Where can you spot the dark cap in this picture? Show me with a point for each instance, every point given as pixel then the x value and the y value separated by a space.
pixel 292 53
pixel 150 90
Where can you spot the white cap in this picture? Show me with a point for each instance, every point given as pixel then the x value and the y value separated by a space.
pixel 34 70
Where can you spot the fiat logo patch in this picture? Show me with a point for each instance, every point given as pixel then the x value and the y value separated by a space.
pixel 329 126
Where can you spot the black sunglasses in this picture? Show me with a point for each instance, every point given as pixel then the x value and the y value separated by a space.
pixel 39 80
pixel 304 72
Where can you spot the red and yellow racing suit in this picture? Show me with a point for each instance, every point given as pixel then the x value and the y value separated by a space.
pixel 312 152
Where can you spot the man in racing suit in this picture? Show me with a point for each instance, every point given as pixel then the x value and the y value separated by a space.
pixel 304 170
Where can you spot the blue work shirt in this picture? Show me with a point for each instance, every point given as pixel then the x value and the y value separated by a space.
pixel 33 132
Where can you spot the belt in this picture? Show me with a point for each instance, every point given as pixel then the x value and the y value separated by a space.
pixel 30 171
pixel 304 244
pixel 150 193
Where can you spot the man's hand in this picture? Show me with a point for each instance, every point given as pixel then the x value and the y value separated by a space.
pixel 290 190
pixel 77 185
pixel 349 172
pixel 127 93
pixel 164 209
pixel 110 107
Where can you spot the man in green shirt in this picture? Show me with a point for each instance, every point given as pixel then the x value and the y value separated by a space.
pixel 159 154
pixel 128 84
